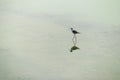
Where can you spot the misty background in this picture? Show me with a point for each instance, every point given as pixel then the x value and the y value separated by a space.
pixel 35 40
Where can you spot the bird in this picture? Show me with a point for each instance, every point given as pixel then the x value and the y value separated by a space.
pixel 74 31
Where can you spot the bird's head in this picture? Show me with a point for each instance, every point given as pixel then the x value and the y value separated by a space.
pixel 71 28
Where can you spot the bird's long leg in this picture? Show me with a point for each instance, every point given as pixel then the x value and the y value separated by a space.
pixel 75 39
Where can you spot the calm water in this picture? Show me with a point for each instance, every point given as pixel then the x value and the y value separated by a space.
pixel 36 45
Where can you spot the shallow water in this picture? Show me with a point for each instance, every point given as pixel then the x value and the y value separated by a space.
pixel 36 46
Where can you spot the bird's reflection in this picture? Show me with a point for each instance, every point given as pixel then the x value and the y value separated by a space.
pixel 74 48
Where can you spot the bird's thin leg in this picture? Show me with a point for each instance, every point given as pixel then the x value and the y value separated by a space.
pixel 74 40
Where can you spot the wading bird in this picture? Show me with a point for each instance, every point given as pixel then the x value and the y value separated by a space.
pixel 74 31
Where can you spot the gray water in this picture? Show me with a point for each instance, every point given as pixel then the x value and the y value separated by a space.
pixel 36 45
